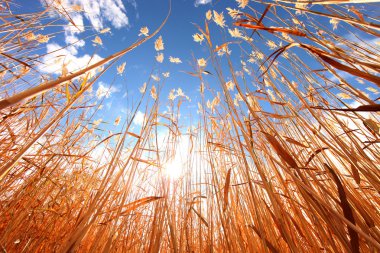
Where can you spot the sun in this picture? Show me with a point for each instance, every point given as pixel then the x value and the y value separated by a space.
pixel 173 168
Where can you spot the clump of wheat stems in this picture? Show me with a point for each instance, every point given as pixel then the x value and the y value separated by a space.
pixel 278 162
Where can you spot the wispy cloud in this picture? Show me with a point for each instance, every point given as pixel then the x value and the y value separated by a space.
pixel 370 43
pixel 104 90
pixel 71 31
pixel 201 2
pixel 98 12
pixel 58 57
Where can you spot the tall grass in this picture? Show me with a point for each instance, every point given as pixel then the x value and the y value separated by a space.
pixel 278 161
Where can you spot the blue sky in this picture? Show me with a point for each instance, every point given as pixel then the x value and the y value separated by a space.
pixel 125 18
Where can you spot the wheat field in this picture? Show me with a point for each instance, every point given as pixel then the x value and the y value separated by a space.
pixel 283 154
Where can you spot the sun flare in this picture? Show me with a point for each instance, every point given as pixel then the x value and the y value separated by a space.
pixel 174 169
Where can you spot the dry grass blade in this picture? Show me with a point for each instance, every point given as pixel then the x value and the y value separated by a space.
pixel 200 216
pixel 271 29
pixel 362 108
pixel 355 174
pixel 347 210
pixel 227 188
pixel 136 204
pixel 316 152
pixel 285 155
pixel 269 244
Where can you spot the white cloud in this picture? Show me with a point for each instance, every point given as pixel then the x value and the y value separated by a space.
pixel 104 90
pixel 114 11
pixel 57 57
pixel 139 118
pixel 98 12
pixel 70 33
pixel 202 2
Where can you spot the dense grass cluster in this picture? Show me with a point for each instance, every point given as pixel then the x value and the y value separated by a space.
pixel 279 161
